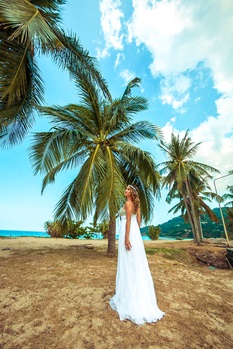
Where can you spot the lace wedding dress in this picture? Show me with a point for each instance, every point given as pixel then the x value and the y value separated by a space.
pixel 135 297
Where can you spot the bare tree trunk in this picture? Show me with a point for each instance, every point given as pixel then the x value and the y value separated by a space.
pixel 193 213
pixel 112 237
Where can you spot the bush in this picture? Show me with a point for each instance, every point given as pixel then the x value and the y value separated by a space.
pixel 154 232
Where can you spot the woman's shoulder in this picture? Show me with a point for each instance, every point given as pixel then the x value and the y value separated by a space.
pixel 128 204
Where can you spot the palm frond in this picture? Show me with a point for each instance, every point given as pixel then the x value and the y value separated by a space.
pixel 74 57
pixel 137 132
pixel 67 205
pixel 133 83
pixel 18 119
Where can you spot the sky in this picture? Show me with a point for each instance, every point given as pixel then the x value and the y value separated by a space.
pixel 181 49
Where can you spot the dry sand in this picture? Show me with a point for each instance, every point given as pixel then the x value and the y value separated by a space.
pixel 55 294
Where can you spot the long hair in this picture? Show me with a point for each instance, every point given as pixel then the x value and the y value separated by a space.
pixel 135 198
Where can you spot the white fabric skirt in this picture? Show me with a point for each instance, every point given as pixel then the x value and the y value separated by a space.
pixel 135 297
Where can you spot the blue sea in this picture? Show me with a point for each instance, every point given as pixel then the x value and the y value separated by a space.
pixel 43 234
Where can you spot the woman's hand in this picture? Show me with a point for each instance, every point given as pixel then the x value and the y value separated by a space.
pixel 127 244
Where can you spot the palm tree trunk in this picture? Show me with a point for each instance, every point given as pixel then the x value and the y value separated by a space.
pixel 112 237
pixel 189 216
pixel 193 214
pixel 200 227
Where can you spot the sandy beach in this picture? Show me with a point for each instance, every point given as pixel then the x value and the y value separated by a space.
pixel 55 294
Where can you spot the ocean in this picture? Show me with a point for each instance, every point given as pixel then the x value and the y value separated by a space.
pixel 41 234
pixel 18 233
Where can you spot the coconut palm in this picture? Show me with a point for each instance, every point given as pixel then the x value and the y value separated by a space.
pixel 228 196
pixel 98 138
pixel 229 221
pixel 201 193
pixel 177 171
pixel 27 28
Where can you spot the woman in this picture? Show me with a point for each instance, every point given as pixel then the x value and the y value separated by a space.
pixel 135 297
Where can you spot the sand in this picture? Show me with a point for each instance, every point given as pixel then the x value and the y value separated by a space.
pixel 55 294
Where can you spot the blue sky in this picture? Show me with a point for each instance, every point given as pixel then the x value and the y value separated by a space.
pixel 181 49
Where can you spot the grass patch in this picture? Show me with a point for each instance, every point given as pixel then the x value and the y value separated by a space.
pixel 174 254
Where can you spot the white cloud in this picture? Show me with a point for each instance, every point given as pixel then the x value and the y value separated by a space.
pixel 217 147
pixel 127 76
pixel 120 57
pixel 173 119
pixel 111 26
pixel 180 34
pixel 197 99
pixel 174 91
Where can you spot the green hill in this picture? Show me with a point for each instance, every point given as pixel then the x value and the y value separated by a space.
pixel 177 228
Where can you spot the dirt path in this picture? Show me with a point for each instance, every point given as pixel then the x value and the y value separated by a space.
pixel 57 296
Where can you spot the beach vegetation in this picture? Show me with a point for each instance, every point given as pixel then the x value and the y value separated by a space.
pixel 72 229
pixel 229 222
pixel 98 138
pixel 154 232
pixel 186 180
pixel 29 29
pixel 228 196
pixel 173 254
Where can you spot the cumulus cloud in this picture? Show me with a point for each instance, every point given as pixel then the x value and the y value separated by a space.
pixel 180 34
pixel 217 137
pixel 111 26
pixel 127 76
pixel 174 91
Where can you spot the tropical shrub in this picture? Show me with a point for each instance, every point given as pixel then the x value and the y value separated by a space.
pixel 154 232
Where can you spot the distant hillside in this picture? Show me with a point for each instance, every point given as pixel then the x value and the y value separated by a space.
pixel 177 228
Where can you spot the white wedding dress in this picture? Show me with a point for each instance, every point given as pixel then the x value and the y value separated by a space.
pixel 135 297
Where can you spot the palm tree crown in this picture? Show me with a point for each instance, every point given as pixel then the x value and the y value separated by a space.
pixel 183 177
pixel 26 28
pixel 97 137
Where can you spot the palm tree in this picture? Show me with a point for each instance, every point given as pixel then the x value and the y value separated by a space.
pixel 97 137
pixel 27 28
pixel 177 172
pixel 228 196
pixel 229 222
pixel 201 193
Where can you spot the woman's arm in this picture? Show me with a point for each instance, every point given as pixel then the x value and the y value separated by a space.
pixel 128 210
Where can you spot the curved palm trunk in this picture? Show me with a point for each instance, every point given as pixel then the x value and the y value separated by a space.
pixel 112 237
pixel 189 215
pixel 193 214
pixel 200 227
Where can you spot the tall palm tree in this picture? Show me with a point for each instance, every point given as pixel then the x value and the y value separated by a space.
pixel 229 221
pixel 177 173
pixel 201 193
pixel 228 196
pixel 27 28
pixel 98 138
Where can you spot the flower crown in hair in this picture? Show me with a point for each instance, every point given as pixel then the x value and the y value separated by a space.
pixel 132 187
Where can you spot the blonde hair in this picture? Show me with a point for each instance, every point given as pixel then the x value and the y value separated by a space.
pixel 135 198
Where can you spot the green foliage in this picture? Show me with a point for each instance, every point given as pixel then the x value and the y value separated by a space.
pixel 178 228
pixel 27 29
pixel 153 232
pixel 97 137
pixel 100 228
pixel 169 253
pixel 69 229
pixel 229 222
pixel 74 230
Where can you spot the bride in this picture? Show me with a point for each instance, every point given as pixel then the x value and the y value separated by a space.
pixel 135 297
